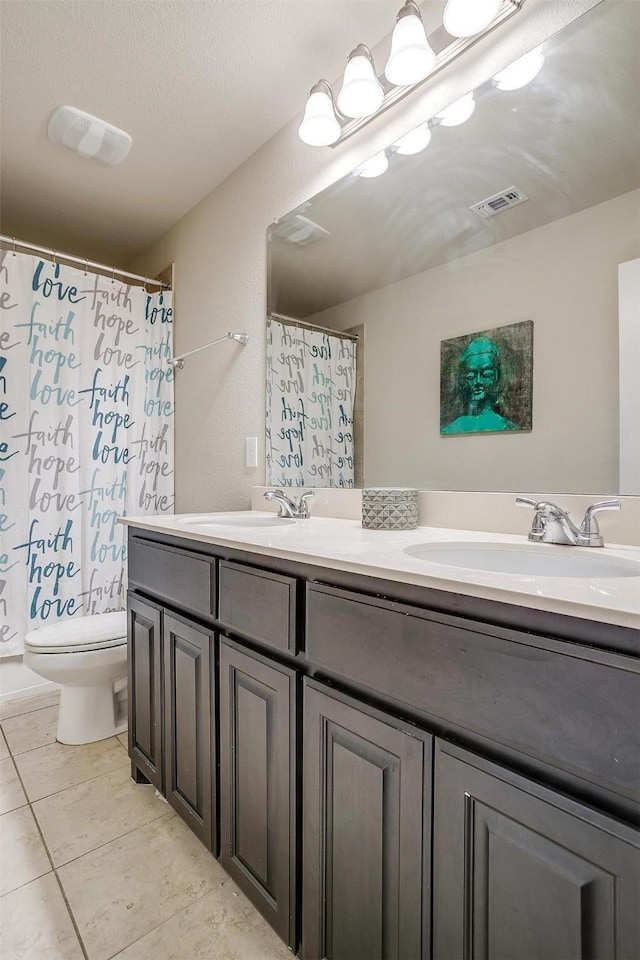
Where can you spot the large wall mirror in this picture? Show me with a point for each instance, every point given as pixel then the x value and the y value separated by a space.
pixel 404 259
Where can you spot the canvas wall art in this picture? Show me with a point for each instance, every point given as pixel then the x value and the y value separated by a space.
pixel 486 381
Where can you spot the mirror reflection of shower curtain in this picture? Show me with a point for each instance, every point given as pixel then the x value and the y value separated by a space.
pixel 86 435
pixel 310 404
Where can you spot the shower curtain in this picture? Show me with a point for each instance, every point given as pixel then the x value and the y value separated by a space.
pixel 310 402
pixel 86 435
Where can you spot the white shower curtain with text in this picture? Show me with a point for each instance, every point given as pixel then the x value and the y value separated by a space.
pixel 86 419
pixel 310 403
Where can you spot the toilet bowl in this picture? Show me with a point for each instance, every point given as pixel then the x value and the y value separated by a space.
pixel 86 657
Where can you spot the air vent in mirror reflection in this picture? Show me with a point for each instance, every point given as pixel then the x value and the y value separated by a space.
pixel 499 202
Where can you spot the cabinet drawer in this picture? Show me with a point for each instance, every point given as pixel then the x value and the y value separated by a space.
pixel 258 604
pixel 570 706
pixel 176 576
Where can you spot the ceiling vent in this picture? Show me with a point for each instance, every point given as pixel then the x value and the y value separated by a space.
pixel 89 136
pixel 299 230
pixel 499 202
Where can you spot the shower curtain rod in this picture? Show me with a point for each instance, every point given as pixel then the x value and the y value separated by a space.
pixel 311 326
pixel 12 242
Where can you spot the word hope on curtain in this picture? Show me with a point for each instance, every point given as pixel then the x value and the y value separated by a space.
pixel 86 418
pixel 310 403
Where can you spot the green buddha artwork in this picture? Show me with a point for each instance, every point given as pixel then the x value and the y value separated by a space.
pixel 486 380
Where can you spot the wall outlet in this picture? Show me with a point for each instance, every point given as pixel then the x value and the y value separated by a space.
pixel 251 452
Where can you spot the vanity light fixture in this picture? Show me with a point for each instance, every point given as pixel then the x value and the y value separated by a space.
pixel 521 72
pixel 320 127
pixel 415 141
pixel 361 94
pixel 375 166
pixel 413 58
pixel 458 112
pixel 466 18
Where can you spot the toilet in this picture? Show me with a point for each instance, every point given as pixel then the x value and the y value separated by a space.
pixel 87 657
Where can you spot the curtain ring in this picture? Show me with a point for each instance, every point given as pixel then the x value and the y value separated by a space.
pixel 86 267
pixel 53 255
pixel 113 274
pixel 14 245
pixel 144 285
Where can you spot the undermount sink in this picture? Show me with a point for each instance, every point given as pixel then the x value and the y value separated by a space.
pixel 244 519
pixel 523 560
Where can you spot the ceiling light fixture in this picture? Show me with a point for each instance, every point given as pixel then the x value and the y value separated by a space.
pixel 415 141
pixel 89 136
pixel 521 72
pixel 413 58
pixel 466 18
pixel 457 112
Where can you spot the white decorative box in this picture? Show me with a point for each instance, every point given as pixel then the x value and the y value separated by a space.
pixel 389 508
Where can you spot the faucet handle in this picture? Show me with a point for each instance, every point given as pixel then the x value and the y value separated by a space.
pixel 539 522
pixel 589 529
pixel 303 509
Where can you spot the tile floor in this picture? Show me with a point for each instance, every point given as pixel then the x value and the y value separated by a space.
pixel 93 866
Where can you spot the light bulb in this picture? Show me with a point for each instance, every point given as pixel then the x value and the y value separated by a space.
pixel 414 141
pixel 411 58
pixel 465 18
pixel 374 166
pixel 361 93
pixel 459 111
pixel 520 72
pixel 319 127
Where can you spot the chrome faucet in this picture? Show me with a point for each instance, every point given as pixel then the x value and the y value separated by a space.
pixel 552 524
pixel 290 508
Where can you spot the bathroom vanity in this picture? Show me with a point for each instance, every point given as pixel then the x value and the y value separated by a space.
pixel 391 761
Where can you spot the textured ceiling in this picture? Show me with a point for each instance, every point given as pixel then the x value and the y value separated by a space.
pixel 199 84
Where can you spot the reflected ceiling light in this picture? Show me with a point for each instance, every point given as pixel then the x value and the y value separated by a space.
pixel 465 18
pixel 362 92
pixel 374 166
pixel 411 58
pixel 320 127
pixel 520 72
pixel 459 111
pixel 414 141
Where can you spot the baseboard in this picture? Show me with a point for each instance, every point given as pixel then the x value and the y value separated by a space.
pixel 32 691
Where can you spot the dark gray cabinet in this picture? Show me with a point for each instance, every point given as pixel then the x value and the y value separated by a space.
pixel 343 823
pixel 523 873
pixel 189 699
pixel 366 833
pixel 258 782
pixel 145 689
pixel 171 709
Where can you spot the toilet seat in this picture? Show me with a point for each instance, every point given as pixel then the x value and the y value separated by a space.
pixel 80 635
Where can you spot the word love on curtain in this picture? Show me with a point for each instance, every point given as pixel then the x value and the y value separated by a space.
pixel 86 418
pixel 310 402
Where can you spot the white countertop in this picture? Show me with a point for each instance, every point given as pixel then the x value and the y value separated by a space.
pixel 346 545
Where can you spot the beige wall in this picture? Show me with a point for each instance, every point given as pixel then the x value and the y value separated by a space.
pixel 220 254
pixel 564 277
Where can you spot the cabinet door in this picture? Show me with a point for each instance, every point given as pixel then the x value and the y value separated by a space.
pixel 523 873
pixel 145 688
pixel 258 783
pixel 366 833
pixel 188 704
